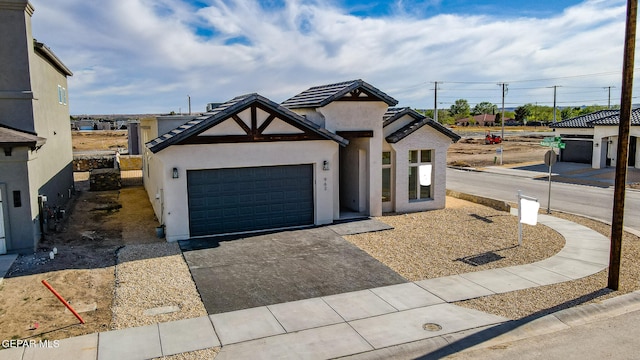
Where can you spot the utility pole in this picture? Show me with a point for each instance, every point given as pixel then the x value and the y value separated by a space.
pixel 609 99
pixel 555 88
pixel 623 146
pixel 435 101
pixel 504 92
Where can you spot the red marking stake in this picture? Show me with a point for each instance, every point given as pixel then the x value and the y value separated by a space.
pixel 45 283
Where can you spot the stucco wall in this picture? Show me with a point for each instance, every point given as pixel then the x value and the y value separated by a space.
pixel 426 138
pixel 173 205
pixel 29 101
pixel 365 115
pixel 15 54
pixel 601 137
pixel 23 230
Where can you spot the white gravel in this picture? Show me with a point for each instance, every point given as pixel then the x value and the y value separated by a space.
pixel 153 276
pixel 444 242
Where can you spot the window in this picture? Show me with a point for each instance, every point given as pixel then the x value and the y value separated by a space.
pixel 420 174
pixel 62 95
pixel 17 201
pixel 386 176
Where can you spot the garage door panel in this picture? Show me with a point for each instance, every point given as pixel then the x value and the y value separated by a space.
pixel 247 199
pixel 579 151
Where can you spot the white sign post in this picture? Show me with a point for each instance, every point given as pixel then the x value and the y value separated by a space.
pixel 527 212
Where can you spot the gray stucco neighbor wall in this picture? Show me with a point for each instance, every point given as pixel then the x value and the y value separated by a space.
pixel 33 99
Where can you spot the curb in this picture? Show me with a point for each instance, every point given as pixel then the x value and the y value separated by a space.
pixel 510 331
pixel 492 203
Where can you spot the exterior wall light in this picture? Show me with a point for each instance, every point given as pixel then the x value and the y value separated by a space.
pixel 325 165
pixel 175 173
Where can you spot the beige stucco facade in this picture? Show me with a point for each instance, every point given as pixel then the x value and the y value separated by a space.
pixel 344 150
pixel 424 138
pixel 361 163
pixel 169 195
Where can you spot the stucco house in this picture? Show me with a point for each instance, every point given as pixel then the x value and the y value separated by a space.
pixel 36 173
pixel 330 152
pixel 593 138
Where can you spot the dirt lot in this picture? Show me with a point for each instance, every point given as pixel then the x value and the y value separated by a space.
pixel 99 140
pixel 518 147
pixel 82 271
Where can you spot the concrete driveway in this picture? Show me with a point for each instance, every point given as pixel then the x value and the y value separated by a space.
pixel 279 267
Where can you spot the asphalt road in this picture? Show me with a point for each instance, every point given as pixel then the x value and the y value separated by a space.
pixel 578 199
pixel 614 338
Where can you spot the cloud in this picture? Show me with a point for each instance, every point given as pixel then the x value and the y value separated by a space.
pixel 136 56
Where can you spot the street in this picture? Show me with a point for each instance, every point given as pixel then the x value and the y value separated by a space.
pixel 583 200
pixel 614 338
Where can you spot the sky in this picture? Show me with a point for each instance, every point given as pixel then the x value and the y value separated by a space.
pixel 151 56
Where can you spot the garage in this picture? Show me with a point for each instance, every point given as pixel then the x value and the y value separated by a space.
pixel 231 200
pixel 578 151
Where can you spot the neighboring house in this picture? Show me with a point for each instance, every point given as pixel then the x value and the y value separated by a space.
pixel 478 120
pixel 593 138
pixel 328 153
pixel 36 173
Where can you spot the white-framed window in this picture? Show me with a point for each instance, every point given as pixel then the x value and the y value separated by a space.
pixel 420 174
pixel 62 95
pixel 386 176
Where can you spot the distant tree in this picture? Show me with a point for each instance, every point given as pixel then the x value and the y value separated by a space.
pixel 567 113
pixel 499 119
pixel 484 107
pixel 523 112
pixel 443 116
pixel 460 109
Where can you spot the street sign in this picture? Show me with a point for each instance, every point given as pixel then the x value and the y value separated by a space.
pixel 550 158
pixel 553 142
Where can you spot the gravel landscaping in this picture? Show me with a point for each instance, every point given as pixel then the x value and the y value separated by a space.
pixel 430 244
pixel 547 299
pixel 153 284
pixel 464 237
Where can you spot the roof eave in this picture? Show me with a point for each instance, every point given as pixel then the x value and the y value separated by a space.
pixel 53 59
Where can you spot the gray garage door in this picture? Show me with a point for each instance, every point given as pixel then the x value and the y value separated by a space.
pixel 578 151
pixel 245 199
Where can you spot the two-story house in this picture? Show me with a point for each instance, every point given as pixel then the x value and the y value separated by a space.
pixel 36 173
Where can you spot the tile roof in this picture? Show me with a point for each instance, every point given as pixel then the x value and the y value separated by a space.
pixel 615 119
pixel 601 118
pixel 14 137
pixel 224 111
pixel 394 114
pixel 319 96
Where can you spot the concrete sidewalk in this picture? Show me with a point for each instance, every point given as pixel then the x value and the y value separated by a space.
pixel 364 324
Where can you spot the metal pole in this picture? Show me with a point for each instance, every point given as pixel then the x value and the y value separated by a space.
pixel 623 147
pixel 435 102
pixel 504 85
pixel 555 88
pixel 549 195
pixel 519 217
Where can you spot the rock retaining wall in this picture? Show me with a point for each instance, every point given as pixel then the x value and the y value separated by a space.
pixel 90 162
pixel 105 179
